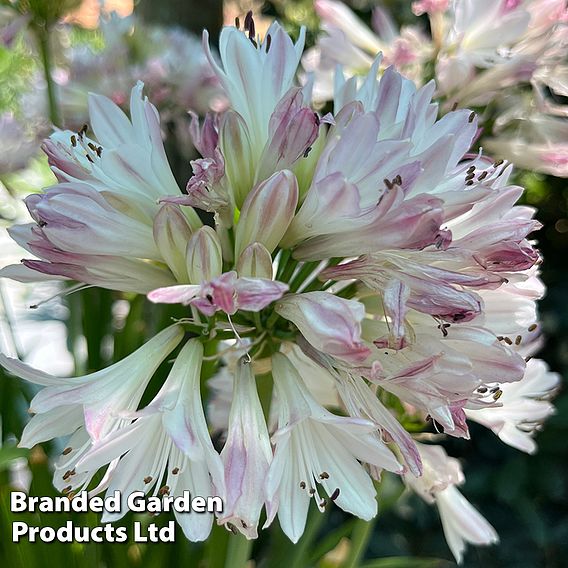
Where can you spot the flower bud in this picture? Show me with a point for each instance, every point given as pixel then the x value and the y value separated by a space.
pixel 171 233
pixel 237 152
pixel 267 212
pixel 204 256
pixel 255 262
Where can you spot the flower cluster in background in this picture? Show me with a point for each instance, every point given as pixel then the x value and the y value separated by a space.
pixel 367 280
pixel 505 58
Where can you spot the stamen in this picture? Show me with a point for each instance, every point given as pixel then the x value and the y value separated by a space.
pixel 73 140
pixel 164 490
pixel 66 451
pixel 63 293
pixel 268 42
pixel 307 151
pixel 454 106
pixel 231 527
pixel 518 340
pixel 247 356
pixel 335 494
pixel 533 327
pixel 175 471
pixel 147 480
pixel 237 23
pixel 324 475
pixel 302 484
pixel 471 117
pixel 483 175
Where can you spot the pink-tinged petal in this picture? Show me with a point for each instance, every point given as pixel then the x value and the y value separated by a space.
pixel 246 455
pixel 267 212
pixel 223 291
pixel 254 294
pixel 329 323
pixel 181 294
pixel 293 128
pixel 255 262
pixel 204 256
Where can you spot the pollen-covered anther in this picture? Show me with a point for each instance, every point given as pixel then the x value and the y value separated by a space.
pixel 66 451
pixel 175 471
pixel 147 480
pixel 164 490
pixel 324 475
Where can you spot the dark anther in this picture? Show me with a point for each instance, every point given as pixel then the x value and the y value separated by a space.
pixel 469 182
pixel 175 471
pixel 232 528
pixel 455 106
pixel 249 25
pixel 482 175
pixel 302 484
pixel 99 151
pixel 482 390
pixel 209 298
pixel 268 42
pixel 471 117
pixel 388 183
pixel 147 480
pixel 533 327
pixel 397 180
pixel 244 525
pixel 164 490
pixel 498 163
pixel 307 151
pixel 89 158
pixel 73 140
pixel 237 23
pixel 324 475
pixel 335 494
pixel 67 451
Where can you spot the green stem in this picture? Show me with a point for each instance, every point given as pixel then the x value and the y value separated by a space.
pixel 238 551
pixel 302 550
pixel 284 256
pixel 303 274
pixel 360 536
pixel 46 59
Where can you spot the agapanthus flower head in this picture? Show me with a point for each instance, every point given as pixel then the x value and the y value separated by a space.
pixel 355 259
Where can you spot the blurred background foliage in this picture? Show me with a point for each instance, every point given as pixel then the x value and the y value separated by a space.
pixel 524 497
